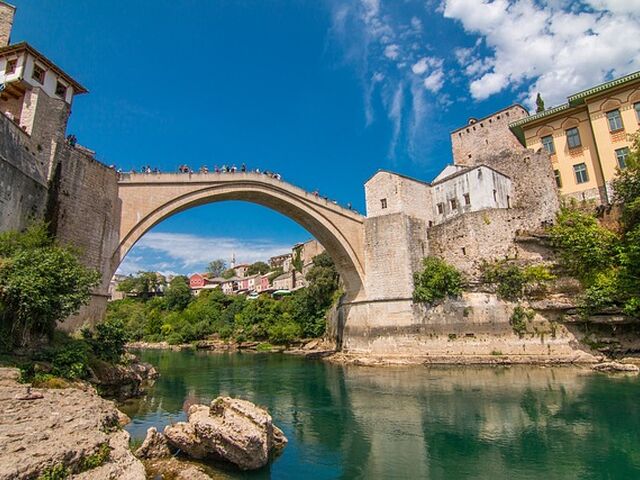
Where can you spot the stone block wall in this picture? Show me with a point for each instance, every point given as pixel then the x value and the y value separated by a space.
pixel 401 195
pixel 394 247
pixel 23 183
pixel 486 135
pixel 84 211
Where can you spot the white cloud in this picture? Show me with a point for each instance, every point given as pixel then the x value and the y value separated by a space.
pixel 434 81
pixel 182 252
pixel 555 47
pixel 420 66
pixel 392 51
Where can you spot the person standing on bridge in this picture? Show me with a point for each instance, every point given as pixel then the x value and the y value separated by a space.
pixel 243 168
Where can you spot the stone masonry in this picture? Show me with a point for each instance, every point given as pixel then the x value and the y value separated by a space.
pixel 487 135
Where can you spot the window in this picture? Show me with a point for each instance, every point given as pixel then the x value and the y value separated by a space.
pixel 615 120
pixel 11 66
pixel 573 138
pixel 61 89
pixel 636 107
pixel 454 204
pixel 38 74
pixel 440 208
pixel 556 173
pixel 547 143
pixel 383 203
pixel 467 199
pixel 581 173
pixel 621 157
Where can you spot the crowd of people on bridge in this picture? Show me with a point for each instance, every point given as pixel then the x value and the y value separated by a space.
pixel 184 168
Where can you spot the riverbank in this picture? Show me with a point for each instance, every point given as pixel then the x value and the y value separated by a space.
pixel 323 349
pixel 316 347
pixel 71 432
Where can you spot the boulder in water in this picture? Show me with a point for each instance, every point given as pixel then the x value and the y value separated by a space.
pixel 229 429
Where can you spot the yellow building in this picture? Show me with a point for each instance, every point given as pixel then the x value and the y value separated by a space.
pixel 587 137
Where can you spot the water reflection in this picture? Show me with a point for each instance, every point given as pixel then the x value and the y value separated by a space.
pixel 415 422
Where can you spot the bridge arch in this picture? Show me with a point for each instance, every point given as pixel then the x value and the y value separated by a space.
pixel 148 199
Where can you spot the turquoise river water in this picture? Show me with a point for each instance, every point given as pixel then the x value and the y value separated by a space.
pixel 413 422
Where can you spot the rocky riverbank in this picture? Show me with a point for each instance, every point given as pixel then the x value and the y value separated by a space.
pixel 310 347
pixel 70 431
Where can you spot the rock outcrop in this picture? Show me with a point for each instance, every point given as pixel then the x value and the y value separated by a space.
pixel 123 381
pixel 61 429
pixel 155 445
pixel 233 430
pixel 616 367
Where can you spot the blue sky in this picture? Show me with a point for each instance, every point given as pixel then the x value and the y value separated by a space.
pixel 325 92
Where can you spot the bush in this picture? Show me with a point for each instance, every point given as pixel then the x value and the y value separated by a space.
pixel 109 340
pixel 585 246
pixel 71 361
pixel 436 281
pixel 41 283
pixel 514 282
pixel 520 319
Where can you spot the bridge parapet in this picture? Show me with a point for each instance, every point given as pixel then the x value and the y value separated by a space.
pixel 235 178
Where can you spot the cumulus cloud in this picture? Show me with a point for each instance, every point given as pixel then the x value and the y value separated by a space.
pixel 392 51
pixel 554 47
pixel 182 252
pixel 434 81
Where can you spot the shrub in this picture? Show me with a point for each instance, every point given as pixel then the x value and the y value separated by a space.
pixel 514 282
pixel 41 283
pixel 585 246
pixel 57 472
pixel 436 281
pixel 520 319
pixel 109 340
pixel 71 360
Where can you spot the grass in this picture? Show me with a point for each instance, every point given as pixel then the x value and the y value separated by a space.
pixel 62 472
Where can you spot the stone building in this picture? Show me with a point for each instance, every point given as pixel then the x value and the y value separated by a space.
pixel 587 137
pixel 485 135
pixel 472 211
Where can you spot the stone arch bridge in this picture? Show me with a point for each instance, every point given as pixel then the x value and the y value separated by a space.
pixel 147 199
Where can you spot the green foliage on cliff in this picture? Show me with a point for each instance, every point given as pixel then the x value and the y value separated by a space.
pixel 514 282
pixel 41 283
pixel 520 319
pixel 607 262
pixel 300 315
pixel 436 281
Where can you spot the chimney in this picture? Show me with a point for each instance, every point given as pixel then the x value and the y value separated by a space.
pixel 6 22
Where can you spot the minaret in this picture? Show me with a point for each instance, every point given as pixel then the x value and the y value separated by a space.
pixel 233 260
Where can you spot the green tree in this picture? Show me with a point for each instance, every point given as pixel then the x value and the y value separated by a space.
pixel 539 103
pixel 627 187
pixel 216 267
pixel 178 294
pixel 436 281
pixel 229 273
pixel 144 284
pixel 258 268
pixel 585 246
pixel 41 283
